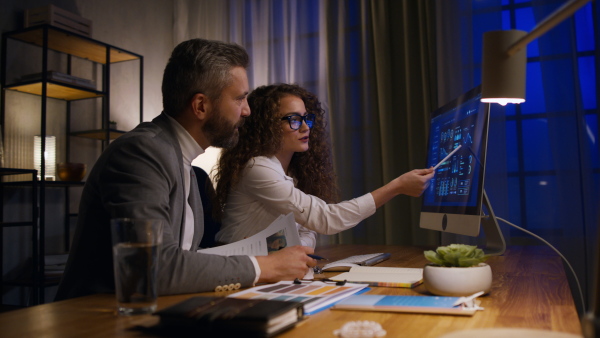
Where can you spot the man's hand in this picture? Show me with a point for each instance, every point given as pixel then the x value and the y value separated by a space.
pixel 285 264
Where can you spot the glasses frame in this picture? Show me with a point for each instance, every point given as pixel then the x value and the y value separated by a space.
pixel 302 119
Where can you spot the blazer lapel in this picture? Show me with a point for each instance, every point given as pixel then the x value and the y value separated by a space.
pixel 196 204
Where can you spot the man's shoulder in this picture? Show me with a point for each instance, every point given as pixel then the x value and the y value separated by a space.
pixel 147 140
pixel 144 133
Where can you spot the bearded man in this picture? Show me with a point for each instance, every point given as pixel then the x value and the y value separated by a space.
pixel 147 173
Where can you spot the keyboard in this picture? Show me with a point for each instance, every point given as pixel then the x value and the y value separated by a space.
pixel 357 260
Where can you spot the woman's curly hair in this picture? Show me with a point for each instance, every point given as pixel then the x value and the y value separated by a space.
pixel 261 135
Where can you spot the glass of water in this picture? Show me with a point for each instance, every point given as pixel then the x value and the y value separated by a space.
pixel 136 245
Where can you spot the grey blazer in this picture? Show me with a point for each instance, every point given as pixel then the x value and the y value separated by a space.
pixel 140 175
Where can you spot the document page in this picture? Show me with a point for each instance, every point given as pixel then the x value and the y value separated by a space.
pixel 280 234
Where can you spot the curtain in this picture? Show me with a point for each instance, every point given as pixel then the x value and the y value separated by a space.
pixel 459 61
pixel 372 65
pixel 542 163
pixel 571 139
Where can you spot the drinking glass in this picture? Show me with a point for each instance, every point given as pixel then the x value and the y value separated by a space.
pixel 136 245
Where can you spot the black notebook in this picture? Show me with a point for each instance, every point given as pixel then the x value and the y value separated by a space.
pixel 225 317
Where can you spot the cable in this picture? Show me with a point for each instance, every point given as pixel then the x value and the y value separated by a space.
pixel 558 252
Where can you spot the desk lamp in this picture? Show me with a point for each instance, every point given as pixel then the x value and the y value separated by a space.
pixel 504 57
pixel 503 81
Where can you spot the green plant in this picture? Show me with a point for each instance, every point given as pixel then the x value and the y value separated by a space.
pixel 456 255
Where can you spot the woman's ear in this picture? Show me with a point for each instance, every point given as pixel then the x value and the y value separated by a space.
pixel 200 106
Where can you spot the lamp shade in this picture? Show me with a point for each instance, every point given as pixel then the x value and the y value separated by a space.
pixel 49 157
pixel 503 76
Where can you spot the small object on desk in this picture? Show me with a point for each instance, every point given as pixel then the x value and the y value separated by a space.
pixel 136 240
pixel 360 329
pixel 468 301
pixel 319 258
pixel 324 280
pixel 225 317
pixel 357 260
pixel 383 276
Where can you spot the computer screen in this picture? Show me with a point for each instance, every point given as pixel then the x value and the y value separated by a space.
pixel 453 200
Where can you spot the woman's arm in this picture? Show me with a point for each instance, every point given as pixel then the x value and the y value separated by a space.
pixel 412 183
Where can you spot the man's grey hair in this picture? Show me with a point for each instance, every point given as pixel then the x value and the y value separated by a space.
pixel 199 66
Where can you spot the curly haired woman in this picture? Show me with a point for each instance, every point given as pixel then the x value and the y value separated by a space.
pixel 282 164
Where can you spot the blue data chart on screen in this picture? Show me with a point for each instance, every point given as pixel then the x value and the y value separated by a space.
pixel 458 177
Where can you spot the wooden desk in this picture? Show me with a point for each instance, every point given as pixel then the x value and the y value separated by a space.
pixel 529 290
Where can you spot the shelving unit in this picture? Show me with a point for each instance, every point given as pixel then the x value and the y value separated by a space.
pixel 49 38
pixel 34 278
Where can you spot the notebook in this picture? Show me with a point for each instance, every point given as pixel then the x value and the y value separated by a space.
pixel 414 304
pixel 220 316
pixel 382 276
pixel 357 260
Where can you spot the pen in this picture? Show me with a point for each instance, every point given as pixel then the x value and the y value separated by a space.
pixel 447 157
pixel 391 285
pixel 319 258
pixel 465 300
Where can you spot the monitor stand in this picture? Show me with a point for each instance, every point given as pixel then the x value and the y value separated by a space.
pixel 495 244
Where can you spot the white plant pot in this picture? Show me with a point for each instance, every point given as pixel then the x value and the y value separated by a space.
pixel 457 282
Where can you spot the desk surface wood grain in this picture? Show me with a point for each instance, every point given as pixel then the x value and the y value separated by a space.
pixel 529 290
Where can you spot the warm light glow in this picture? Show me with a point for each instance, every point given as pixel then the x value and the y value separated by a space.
pixel 49 157
pixel 502 77
pixel 502 101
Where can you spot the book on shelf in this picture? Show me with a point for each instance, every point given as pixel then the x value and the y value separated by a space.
pixel 413 304
pixel 227 317
pixel 382 276
pixel 60 77
pixel 54 264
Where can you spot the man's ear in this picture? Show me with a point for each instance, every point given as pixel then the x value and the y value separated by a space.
pixel 201 106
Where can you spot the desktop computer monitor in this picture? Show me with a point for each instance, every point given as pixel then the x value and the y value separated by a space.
pixel 454 199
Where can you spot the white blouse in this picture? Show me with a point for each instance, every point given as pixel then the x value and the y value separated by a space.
pixel 265 192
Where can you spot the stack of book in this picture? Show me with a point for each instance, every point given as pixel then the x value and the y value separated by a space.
pixel 54 265
pixel 61 77
pixel 228 317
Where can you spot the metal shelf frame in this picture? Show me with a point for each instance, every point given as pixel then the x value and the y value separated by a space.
pixel 50 38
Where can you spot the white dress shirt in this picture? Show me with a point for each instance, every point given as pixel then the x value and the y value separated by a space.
pixel 265 192
pixel 190 150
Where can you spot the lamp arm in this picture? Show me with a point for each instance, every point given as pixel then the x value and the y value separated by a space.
pixel 548 23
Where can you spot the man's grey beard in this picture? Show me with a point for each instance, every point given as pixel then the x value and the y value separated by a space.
pixel 220 132
pixel 226 143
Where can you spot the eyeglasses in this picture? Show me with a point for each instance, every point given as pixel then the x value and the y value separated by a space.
pixel 295 120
